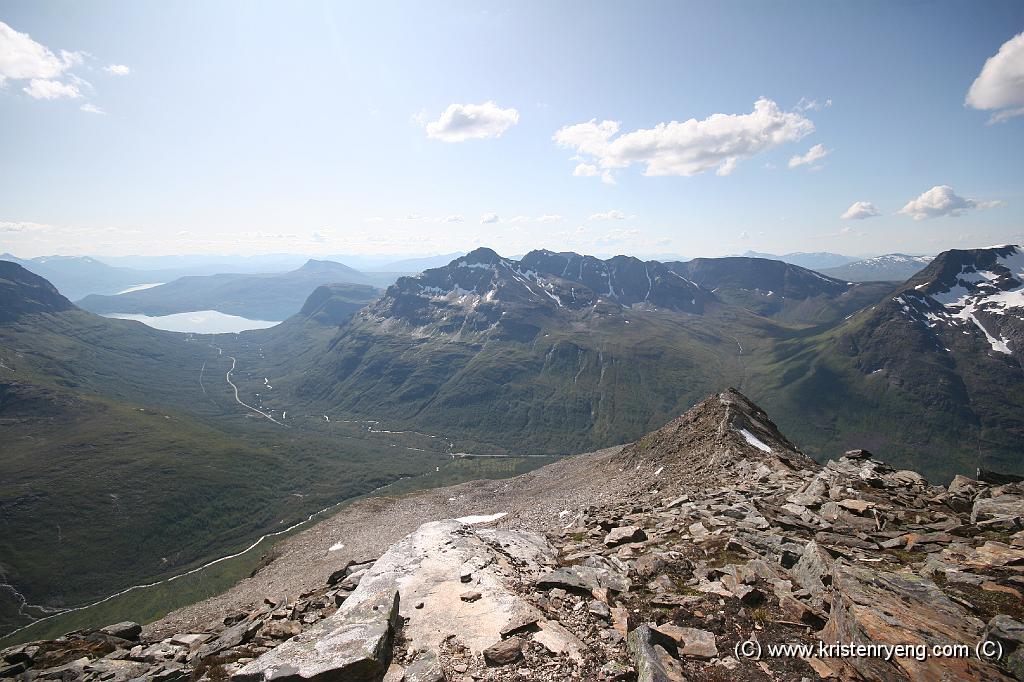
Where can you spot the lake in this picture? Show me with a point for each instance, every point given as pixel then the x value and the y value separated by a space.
pixel 197 322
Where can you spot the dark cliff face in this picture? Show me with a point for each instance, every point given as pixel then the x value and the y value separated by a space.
pixel 24 293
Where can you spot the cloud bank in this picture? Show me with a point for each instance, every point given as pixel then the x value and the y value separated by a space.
pixel 685 148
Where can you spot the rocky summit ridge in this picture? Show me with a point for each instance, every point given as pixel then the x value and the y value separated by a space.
pixel 673 558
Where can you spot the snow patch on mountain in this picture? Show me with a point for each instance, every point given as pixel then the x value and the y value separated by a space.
pixel 976 296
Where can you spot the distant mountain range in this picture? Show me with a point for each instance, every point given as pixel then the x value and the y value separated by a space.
pixel 415 264
pixel 269 296
pixel 892 267
pixel 79 276
pixel 814 260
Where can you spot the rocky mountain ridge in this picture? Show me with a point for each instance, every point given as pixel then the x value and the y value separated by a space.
pixel 977 292
pixel 668 559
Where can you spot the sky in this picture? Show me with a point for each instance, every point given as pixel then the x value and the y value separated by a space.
pixel 647 128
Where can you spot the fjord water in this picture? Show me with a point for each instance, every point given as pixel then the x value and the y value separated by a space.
pixel 197 322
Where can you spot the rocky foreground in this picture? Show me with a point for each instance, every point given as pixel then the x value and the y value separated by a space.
pixel 686 555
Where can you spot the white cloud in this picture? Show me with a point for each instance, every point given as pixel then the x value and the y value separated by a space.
pixel 11 226
pixel 22 58
pixel 117 69
pixel 610 215
pixel 454 218
pixel 813 155
pixel 588 170
pixel 727 167
pixel 590 138
pixel 461 122
pixel 690 147
pixel 39 88
pixel 807 104
pixel 488 218
pixel 550 218
pixel 92 109
pixel 941 200
pixel 1000 85
pixel 859 210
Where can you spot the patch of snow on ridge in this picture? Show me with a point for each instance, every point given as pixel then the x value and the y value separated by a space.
pixel 985 291
pixel 481 518
pixel 754 440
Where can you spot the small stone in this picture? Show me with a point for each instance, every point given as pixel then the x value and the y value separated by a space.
pixel 858 506
pixel 691 641
pixel 624 534
pixel 599 609
pixel 505 652
pixel 126 630
pixel 281 629
pixel 470 596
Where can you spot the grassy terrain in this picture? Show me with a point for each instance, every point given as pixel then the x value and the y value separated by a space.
pixel 121 467
pixel 152 602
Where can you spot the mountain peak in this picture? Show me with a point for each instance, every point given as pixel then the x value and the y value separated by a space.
pixel 23 292
pixel 973 291
pixel 479 256
pixel 718 438
pixel 314 265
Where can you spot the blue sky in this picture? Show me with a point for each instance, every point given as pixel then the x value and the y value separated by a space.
pixel 315 127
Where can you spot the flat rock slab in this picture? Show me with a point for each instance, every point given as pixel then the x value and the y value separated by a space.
pixel 354 644
pixel 427 568
pixel 424 579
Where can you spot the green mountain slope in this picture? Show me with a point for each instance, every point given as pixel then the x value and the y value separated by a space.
pixel 125 456
pixel 560 352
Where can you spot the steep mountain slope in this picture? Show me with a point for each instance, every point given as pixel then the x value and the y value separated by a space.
pixel 555 352
pixel 931 375
pixel 892 267
pixel 274 296
pixel 125 454
pixel 652 562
